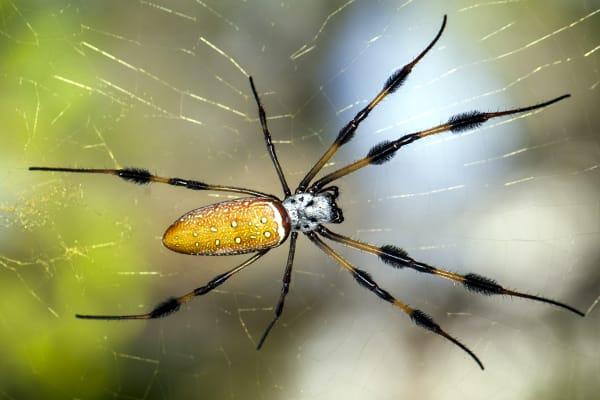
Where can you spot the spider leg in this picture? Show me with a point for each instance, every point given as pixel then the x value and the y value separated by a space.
pixel 398 258
pixel 347 132
pixel 364 279
pixel 270 147
pixel 384 151
pixel 173 304
pixel 287 277
pixel 142 176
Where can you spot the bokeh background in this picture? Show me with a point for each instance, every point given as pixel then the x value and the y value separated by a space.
pixel 162 85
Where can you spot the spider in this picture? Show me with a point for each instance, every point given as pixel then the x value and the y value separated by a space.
pixel 258 223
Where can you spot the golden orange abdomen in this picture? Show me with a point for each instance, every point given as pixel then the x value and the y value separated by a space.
pixel 230 227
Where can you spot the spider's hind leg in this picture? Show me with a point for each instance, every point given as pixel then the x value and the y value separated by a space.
pixel 173 304
pixel 142 176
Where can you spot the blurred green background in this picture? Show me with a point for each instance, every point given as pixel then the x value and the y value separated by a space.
pixel 162 85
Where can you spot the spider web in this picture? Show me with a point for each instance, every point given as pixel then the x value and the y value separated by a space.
pixel 162 84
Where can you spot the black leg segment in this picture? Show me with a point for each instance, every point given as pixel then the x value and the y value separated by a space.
pixel 287 278
pixel 173 304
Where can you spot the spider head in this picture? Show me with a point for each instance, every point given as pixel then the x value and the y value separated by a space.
pixel 307 210
pixel 333 192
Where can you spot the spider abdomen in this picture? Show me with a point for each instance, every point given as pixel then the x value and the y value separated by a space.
pixel 229 227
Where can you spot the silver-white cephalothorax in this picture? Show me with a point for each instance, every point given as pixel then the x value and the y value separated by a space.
pixel 307 211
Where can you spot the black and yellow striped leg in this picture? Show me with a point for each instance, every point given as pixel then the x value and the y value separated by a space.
pixel 398 258
pixel 173 304
pixel 347 132
pixel 142 176
pixel 287 278
pixel 262 115
pixel 364 279
pixel 385 151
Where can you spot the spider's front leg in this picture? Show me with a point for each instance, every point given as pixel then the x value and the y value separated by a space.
pixel 364 279
pixel 347 132
pixel 398 258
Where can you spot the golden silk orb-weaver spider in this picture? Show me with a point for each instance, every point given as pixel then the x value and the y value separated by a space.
pixel 262 221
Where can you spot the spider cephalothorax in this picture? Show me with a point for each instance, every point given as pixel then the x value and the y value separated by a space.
pixel 262 222
pixel 307 210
